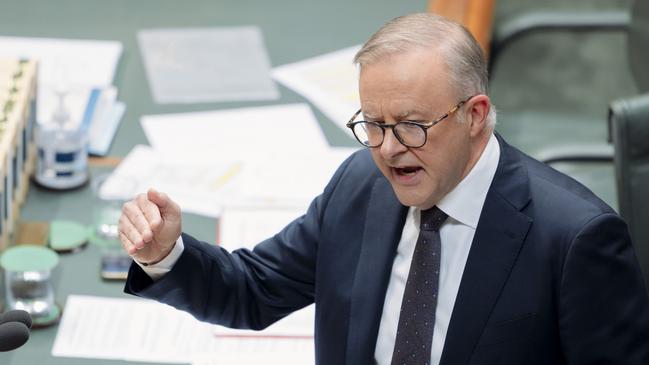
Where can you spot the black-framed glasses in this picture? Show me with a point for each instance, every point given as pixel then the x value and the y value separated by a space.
pixel 410 133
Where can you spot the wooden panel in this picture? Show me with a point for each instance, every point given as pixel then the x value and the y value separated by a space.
pixel 107 161
pixel 475 15
pixel 32 233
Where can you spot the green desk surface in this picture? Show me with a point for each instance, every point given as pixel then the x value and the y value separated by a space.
pixel 292 29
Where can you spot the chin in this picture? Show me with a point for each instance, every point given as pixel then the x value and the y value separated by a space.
pixel 409 199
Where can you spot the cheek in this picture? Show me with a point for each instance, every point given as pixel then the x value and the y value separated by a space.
pixel 457 160
pixel 437 170
pixel 445 163
pixel 378 160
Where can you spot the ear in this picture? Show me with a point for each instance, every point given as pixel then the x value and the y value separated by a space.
pixel 477 109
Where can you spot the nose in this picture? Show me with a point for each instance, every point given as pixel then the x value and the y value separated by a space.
pixel 391 145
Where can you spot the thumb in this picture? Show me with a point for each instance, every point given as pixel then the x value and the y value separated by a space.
pixel 168 209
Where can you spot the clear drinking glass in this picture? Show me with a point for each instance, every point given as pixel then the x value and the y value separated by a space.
pixel 110 194
pixel 30 291
pixel 28 282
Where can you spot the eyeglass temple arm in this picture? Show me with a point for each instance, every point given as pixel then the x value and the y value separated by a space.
pixel 353 117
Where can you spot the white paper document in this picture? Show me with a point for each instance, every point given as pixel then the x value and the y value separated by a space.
pixel 329 81
pixel 275 182
pixel 301 354
pixel 192 65
pixel 141 330
pixel 290 179
pixel 260 157
pixel 235 134
pixel 245 227
pixel 198 187
pixel 71 62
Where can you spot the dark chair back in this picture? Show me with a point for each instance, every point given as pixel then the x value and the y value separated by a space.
pixel 629 122
pixel 638 44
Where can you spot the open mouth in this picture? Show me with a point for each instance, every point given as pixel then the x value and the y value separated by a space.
pixel 407 170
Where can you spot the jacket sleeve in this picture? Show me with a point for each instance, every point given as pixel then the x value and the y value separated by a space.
pixel 244 289
pixel 604 305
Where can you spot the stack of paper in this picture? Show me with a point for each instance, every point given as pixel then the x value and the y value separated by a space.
pixel 78 73
pixel 255 158
pixel 261 167
pixel 140 330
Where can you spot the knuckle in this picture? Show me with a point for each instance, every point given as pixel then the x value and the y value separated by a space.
pixel 155 223
pixel 133 233
pixel 141 222
pixel 128 207
pixel 141 198
pixel 126 243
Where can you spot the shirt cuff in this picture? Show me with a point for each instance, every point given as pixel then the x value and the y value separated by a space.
pixel 158 270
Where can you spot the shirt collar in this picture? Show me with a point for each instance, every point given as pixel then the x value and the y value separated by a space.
pixel 464 203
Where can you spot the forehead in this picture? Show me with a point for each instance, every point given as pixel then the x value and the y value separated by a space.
pixel 405 108
pixel 407 82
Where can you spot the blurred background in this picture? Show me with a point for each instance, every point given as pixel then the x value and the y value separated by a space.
pixel 208 99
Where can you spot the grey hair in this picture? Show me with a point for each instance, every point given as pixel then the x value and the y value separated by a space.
pixel 463 55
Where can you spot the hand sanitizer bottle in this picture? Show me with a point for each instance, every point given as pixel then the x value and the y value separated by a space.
pixel 62 161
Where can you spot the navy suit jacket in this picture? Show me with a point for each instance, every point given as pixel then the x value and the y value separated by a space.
pixel 551 276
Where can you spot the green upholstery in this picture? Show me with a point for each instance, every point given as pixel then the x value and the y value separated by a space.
pixel 567 136
pixel 543 21
pixel 549 135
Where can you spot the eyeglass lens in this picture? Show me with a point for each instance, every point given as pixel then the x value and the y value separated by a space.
pixel 371 134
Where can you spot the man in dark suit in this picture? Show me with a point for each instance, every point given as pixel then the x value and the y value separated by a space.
pixel 439 244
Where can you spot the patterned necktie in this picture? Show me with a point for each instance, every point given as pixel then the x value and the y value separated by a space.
pixel 417 318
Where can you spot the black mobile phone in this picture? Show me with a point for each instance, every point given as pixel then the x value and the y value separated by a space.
pixel 115 267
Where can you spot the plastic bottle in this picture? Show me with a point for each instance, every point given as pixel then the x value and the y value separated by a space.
pixel 62 151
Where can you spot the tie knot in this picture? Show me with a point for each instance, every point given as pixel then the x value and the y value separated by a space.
pixel 432 219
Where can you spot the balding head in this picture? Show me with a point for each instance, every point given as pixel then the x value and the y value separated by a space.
pixel 461 52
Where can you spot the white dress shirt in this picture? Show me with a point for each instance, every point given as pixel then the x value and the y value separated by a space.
pixel 463 206
pixel 157 270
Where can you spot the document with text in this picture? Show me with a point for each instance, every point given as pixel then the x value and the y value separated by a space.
pixel 142 330
pixel 329 81
pixel 235 134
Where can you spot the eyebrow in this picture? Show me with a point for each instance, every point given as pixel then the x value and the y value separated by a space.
pixel 403 115
pixel 399 116
pixel 367 115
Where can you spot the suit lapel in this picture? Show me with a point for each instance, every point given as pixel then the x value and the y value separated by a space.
pixel 384 222
pixel 498 239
